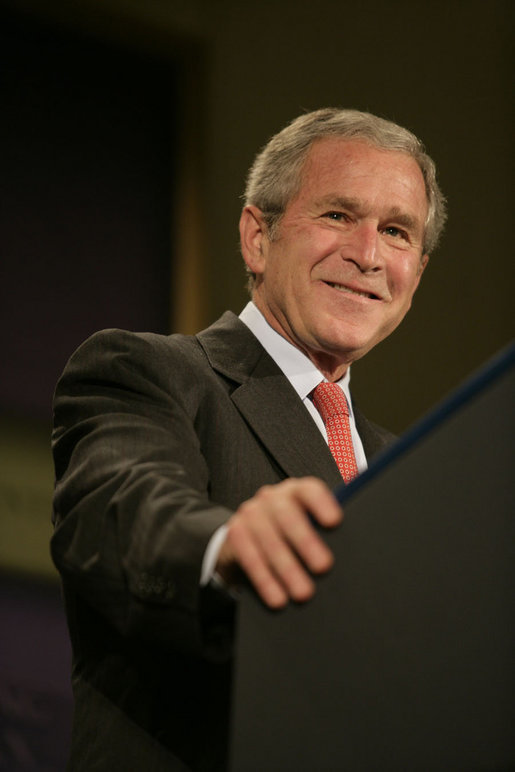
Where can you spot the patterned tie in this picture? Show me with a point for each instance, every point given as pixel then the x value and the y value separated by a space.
pixel 330 402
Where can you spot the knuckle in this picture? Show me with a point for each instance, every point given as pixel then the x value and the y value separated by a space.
pixel 236 530
pixel 316 482
pixel 269 495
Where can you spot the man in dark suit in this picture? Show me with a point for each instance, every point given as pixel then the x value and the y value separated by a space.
pixel 183 463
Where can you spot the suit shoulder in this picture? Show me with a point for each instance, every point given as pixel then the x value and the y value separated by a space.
pixel 135 359
pixel 116 340
pixel 140 347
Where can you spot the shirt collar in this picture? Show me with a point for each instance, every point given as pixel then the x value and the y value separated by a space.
pixel 300 371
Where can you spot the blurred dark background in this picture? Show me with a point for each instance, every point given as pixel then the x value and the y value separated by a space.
pixel 127 128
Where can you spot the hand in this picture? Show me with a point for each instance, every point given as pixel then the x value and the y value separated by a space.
pixel 272 539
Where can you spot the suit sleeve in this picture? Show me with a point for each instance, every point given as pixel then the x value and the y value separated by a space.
pixel 131 507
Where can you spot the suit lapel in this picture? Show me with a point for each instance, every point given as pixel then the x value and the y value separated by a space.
pixel 267 401
pixel 374 438
pixel 274 411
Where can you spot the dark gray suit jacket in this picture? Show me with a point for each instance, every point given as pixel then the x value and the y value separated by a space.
pixel 157 440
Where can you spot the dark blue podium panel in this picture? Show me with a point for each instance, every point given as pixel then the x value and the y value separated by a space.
pixel 404 660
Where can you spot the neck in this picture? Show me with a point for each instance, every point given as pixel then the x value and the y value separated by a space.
pixel 331 369
pixel 331 366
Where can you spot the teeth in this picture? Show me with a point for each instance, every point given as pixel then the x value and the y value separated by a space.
pixel 352 292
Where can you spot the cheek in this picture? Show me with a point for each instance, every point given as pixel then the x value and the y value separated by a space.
pixel 404 277
pixel 327 241
pixel 316 239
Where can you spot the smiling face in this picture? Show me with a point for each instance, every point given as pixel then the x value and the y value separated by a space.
pixel 340 274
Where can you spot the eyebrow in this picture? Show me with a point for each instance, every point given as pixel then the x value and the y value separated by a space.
pixel 357 206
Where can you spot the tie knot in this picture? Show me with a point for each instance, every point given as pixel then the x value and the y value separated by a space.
pixel 330 401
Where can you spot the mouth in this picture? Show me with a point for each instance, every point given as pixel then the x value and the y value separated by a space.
pixel 351 291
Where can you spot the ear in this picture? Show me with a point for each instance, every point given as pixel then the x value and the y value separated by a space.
pixel 421 267
pixel 420 270
pixel 253 238
pixel 423 262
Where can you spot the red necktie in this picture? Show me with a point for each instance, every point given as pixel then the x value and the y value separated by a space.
pixel 330 402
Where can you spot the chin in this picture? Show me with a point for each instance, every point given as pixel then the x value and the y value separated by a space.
pixel 349 341
pixel 344 351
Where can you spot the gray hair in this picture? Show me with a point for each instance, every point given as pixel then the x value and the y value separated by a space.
pixel 275 177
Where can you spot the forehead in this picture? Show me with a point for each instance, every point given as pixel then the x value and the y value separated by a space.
pixel 337 167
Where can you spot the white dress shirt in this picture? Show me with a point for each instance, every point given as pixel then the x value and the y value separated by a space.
pixel 304 377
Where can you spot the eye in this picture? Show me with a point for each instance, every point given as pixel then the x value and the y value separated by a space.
pixel 336 216
pixel 396 233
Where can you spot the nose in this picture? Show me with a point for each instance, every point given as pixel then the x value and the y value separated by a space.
pixel 364 249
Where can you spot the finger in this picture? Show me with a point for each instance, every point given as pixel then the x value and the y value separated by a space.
pixel 256 565
pixel 288 504
pixel 318 500
pixel 298 531
pixel 273 540
pixel 275 548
